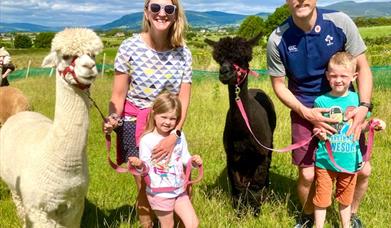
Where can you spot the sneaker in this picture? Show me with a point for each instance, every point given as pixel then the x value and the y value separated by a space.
pixel 355 221
pixel 305 221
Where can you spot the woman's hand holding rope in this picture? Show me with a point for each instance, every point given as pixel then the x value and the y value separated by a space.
pixel 111 122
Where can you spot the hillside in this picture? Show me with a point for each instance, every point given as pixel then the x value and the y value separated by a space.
pixel 195 19
pixel 363 9
pixel 25 27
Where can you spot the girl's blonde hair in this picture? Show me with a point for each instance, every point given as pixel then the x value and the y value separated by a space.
pixel 344 59
pixel 176 32
pixel 165 102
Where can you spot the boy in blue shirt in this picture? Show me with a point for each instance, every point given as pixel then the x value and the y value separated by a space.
pixel 345 149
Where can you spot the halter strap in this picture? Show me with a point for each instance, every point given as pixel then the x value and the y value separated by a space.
pixel 71 70
pixel 241 74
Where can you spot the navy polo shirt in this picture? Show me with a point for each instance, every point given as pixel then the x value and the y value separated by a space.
pixel 303 57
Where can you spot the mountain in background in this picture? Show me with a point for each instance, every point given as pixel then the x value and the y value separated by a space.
pixel 195 19
pixel 217 18
pixel 211 18
pixel 26 27
pixel 363 9
pixel 129 21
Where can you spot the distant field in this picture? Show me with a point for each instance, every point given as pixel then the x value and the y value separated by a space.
pixel 378 55
pixel 376 31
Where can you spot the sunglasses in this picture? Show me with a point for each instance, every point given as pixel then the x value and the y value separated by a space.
pixel 168 9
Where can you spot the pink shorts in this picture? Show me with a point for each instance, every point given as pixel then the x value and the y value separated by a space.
pixel 165 204
pixel 304 156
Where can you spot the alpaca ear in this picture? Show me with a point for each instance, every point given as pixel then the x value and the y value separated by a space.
pixel 210 42
pixel 50 60
pixel 3 52
pixel 254 41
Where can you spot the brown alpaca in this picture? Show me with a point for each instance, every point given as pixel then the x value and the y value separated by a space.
pixel 12 101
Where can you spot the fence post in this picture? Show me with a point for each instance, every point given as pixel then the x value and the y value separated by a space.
pixel 28 68
pixel 103 64
pixel 51 72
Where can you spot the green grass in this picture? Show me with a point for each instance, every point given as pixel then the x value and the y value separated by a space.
pixel 111 196
pixel 375 31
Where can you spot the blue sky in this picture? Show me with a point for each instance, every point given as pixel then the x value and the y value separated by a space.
pixel 97 12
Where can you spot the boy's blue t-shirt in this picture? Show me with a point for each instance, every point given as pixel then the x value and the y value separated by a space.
pixel 346 151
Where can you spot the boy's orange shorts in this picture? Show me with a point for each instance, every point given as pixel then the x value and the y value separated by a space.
pixel 345 184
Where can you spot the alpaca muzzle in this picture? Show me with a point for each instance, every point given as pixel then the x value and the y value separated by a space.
pixel 71 70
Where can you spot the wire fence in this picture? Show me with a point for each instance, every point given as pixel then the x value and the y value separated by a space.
pixel 381 74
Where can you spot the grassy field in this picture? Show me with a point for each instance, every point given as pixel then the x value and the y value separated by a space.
pixel 111 196
pixel 375 31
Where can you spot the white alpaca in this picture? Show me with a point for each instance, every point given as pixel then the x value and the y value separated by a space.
pixel 44 162
pixel 12 101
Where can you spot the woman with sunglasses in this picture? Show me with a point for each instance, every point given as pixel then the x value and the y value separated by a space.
pixel 146 64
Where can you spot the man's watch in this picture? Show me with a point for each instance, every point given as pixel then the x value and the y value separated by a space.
pixel 368 105
pixel 176 132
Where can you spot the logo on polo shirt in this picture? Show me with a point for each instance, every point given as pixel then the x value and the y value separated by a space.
pixel 292 48
pixel 317 29
pixel 329 40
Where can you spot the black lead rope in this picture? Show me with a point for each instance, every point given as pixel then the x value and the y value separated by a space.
pixel 96 106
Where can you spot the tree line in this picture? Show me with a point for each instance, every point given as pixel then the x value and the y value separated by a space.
pixel 250 27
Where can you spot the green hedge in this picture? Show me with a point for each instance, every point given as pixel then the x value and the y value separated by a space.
pixel 382 74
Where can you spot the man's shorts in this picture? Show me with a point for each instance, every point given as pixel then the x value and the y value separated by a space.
pixel 344 190
pixel 304 156
pixel 165 204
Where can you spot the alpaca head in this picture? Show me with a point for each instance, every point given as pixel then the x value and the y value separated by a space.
pixel 73 54
pixel 5 57
pixel 233 54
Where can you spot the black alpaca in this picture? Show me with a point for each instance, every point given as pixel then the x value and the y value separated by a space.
pixel 248 163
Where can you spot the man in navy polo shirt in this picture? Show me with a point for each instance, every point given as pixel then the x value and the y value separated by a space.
pixel 299 49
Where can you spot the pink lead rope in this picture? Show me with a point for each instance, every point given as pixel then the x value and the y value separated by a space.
pixel 241 75
pixel 147 179
pixel 372 126
pixel 144 173
pixel 299 144
pixel 286 149
pixel 132 170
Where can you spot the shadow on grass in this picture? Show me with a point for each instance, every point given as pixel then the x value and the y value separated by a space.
pixel 221 184
pixel 95 217
pixel 285 189
pixel 282 190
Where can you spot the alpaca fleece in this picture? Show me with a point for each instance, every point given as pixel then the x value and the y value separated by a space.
pixel 248 163
pixel 44 162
